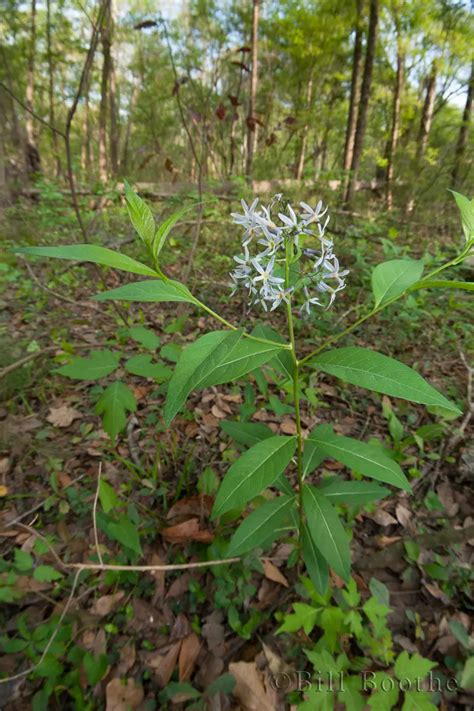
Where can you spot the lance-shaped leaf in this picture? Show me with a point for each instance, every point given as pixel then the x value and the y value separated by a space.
pixel 246 356
pixel 90 253
pixel 445 284
pixel 253 472
pixel 316 565
pixel 151 290
pixel 313 455
pixel 113 405
pixel 197 362
pixel 355 493
pixel 365 458
pixel 374 371
pixel 246 433
pixel 263 526
pixel 164 229
pixel 466 208
pixel 98 365
pixel 326 531
pixel 392 278
pixel 142 364
pixel 140 215
pixel 283 361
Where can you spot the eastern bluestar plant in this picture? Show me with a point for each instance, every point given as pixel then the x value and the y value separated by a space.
pixel 279 273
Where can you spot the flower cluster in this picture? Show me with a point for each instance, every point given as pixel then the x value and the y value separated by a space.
pixel 264 275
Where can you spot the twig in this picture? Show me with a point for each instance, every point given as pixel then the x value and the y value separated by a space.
pixel 94 515
pixel 38 506
pixel 26 359
pixel 133 449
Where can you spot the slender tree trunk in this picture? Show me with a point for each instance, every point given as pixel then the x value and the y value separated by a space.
pixel 114 115
pixel 355 89
pixel 3 182
pixel 299 167
pixel 52 117
pixel 364 99
pixel 128 131
pixel 463 132
pixel 86 158
pixel 427 114
pixel 104 95
pixel 251 123
pixel 33 162
pixel 393 140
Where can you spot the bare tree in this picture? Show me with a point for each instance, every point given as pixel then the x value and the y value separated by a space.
pixel 251 118
pixel 364 98
pixel 113 99
pixel 463 132
pixel 395 129
pixel 33 162
pixel 52 118
pixel 299 167
pixel 105 31
pixel 355 88
pixel 427 113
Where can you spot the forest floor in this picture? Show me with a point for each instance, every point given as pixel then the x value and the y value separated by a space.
pixel 173 634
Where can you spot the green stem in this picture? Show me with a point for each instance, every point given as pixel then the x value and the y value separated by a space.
pixel 296 400
pixel 377 310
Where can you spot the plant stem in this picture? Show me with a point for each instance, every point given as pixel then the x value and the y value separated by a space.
pixel 296 399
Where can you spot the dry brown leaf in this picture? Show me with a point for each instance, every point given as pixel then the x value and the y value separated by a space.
pixel 163 664
pixel 104 605
pixel 63 416
pixel 123 695
pixel 288 427
pixel 384 541
pixel 249 688
pixel 276 664
pixel 187 531
pixel 218 412
pixel 198 505
pixel 446 496
pixel 436 592
pixel 187 657
pixel 383 518
pixel 209 420
pixel 179 586
pixel 272 573
pixel 403 515
pixel 3 491
pixel 4 465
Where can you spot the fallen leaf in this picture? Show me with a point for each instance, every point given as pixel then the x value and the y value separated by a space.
pixel 187 657
pixel 446 496
pixel 384 541
pixel 63 416
pixel 383 518
pixel 123 695
pixel 163 664
pixel 104 605
pixel 198 505
pixel 179 586
pixel 276 664
pixel 4 465
pixel 3 491
pixel 436 592
pixel 288 427
pixel 272 573
pixel 403 515
pixel 249 688
pixel 187 531
pixel 218 412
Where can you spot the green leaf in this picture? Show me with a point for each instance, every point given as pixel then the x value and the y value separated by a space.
pixel 377 372
pixel 173 688
pixel 445 284
pixel 165 228
pixel 90 253
pixel 256 469
pixel 412 668
pixel 244 357
pixel 350 694
pixel 113 405
pixel 46 574
pixel 224 684
pixel 313 455
pixel 11 645
pixel 467 676
pixel 197 363
pixel 355 493
pixel 145 336
pixel 326 530
pixel 98 365
pixel 316 566
pixel 152 290
pixel 95 667
pixel 140 215
pixel 108 498
pixel 466 208
pixel 392 278
pixel 141 364
pixel 246 433
pixel 303 617
pixel 126 533
pixel 262 526
pixel 23 560
pixel 418 701
pixel 386 692
pixel 361 457
pixel 283 361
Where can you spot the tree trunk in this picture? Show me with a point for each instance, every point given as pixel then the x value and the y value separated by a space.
pixel 299 167
pixel 104 92
pixel 114 116
pixel 463 131
pixel 355 89
pixel 128 130
pixel 86 158
pixel 251 122
pixel 33 162
pixel 364 99
pixel 427 114
pixel 393 140
pixel 52 117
